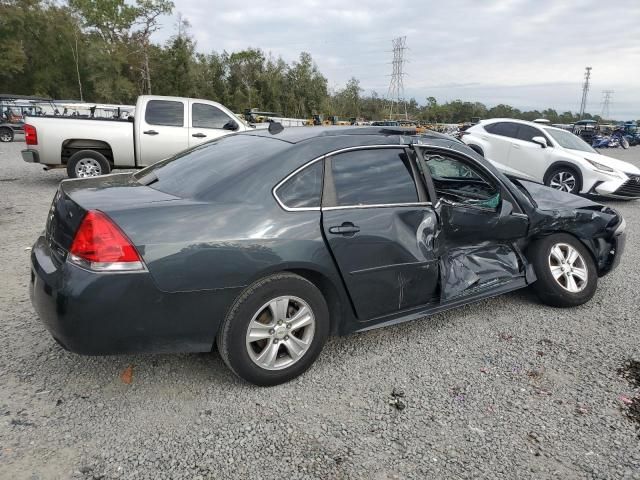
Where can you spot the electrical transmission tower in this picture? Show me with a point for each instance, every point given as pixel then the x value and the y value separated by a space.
pixel 396 86
pixel 606 103
pixel 585 90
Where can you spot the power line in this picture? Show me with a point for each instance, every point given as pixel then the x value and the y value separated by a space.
pixel 395 94
pixel 606 103
pixel 585 90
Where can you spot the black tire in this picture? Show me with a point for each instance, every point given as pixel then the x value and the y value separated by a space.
pixel 231 338
pixel 546 286
pixel 98 161
pixel 564 169
pixel 6 135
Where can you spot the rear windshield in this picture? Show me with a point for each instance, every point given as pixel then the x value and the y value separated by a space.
pixel 222 170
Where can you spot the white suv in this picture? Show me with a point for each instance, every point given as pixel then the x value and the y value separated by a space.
pixel 553 156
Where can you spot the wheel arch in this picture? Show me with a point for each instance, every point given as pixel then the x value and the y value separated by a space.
pixel 341 310
pixel 564 163
pixel 74 145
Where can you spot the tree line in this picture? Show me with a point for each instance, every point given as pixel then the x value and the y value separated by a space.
pixel 101 51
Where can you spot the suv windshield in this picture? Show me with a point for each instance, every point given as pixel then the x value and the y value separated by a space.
pixel 217 170
pixel 569 140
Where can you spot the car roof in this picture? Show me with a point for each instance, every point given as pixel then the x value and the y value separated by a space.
pixel 546 126
pixel 302 134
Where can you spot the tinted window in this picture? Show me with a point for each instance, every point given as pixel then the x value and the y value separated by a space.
pixel 164 112
pixel 461 182
pixel 230 169
pixel 304 189
pixel 208 116
pixel 505 129
pixel 527 133
pixel 372 177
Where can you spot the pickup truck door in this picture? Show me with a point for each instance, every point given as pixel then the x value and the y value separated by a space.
pixel 162 130
pixel 208 122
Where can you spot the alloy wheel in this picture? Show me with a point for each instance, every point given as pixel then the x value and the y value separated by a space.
pixel 564 181
pixel 5 136
pixel 568 267
pixel 88 167
pixel 280 333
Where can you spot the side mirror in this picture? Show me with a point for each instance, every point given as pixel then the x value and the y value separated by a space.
pixel 231 125
pixel 540 141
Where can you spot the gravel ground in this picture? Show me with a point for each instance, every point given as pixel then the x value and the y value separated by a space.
pixel 506 388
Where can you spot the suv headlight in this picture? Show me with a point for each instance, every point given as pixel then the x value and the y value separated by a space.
pixel 599 166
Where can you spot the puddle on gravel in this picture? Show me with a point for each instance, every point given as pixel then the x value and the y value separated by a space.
pixel 630 371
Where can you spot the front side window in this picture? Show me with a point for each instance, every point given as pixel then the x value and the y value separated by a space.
pixel 461 182
pixel 526 133
pixel 373 177
pixel 569 140
pixel 304 189
pixel 208 116
pixel 504 129
pixel 165 112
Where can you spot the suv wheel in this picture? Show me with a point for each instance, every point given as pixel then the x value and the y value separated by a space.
pixel 275 330
pixel 567 274
pixel 565 179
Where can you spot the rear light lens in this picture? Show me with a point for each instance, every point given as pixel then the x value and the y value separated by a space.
pixel 101 246
pixel 30 134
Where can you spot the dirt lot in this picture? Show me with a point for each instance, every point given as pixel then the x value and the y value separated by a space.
pixel 507 388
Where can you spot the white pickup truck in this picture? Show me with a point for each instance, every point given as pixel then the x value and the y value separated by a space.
pixel 161 127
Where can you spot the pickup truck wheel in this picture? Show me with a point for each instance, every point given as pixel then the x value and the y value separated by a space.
pixel 6 135
pixel 87 163
pixel 275 330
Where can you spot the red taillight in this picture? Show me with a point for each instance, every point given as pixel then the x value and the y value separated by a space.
pixel 30 134
pixel 100 245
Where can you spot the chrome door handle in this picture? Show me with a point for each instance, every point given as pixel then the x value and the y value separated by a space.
pixel 347 228
pixel 199 135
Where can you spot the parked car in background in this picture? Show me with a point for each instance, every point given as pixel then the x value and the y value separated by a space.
pixel 553 156
pixel 160 127
pixel 265 244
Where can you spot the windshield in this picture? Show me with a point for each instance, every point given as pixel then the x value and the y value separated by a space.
pixel 569 140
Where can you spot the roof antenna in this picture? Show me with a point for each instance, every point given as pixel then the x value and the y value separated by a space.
pixel 275 128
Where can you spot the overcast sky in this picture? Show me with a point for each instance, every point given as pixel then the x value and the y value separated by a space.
pixel 527 53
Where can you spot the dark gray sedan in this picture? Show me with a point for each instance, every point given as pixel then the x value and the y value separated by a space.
pixel 266 242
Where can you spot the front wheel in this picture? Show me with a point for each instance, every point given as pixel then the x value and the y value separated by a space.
pixel 567 275
pixel 6 135
pixel 275 330
pixel 565 179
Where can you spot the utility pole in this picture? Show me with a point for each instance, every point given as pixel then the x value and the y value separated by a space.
pixel 585 90
pixel 606 103
pixel 395 93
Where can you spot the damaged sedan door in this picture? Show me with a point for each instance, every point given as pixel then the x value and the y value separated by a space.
pixel 380 229
pixel 479 226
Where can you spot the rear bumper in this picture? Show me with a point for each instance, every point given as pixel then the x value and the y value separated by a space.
pixel 30 156
pixel 97 313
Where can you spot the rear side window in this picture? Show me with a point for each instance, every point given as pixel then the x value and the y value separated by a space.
pixel 527 133
pixel 208 116
pixel 304 189
pixel 164 112
pixel 504 129
pixel 373 177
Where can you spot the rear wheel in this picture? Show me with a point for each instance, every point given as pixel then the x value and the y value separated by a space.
pixel 6 135
pixel 275 330
pixel 566 272
pixel 565 179
pixel 87 163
